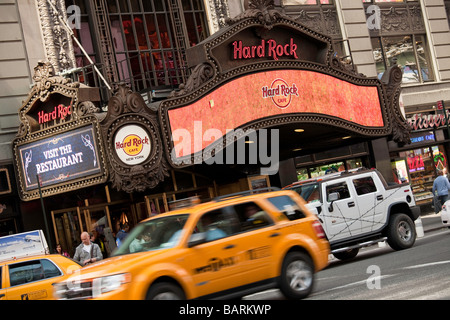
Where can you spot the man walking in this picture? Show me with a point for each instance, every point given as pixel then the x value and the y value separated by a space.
pixel 441 185
pixel 87 252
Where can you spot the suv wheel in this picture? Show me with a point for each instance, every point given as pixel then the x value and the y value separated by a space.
pixel 297 275
pixel 401 232
pixel 165 291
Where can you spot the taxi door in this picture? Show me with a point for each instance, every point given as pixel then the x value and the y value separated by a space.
pixel 25 281
pixel 2 283
pixel 215 264
pixel 257 241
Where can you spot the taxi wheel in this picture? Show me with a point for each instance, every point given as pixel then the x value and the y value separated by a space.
pixel 165 291
pixel 297 275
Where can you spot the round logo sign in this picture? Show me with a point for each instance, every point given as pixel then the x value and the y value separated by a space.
pixel 132 144
pixel 280 93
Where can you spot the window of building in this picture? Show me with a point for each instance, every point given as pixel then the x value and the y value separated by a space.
pixel 411 54
pixel 306 2
pixel 147 51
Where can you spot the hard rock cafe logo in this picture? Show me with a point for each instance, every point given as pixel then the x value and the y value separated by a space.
pixel 280 93
pixel 132 144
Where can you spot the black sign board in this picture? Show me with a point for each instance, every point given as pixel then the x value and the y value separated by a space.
pixel 60 158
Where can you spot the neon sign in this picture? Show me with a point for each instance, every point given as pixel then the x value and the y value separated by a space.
pixel 59 112
pixel 269 48
pixel 416 163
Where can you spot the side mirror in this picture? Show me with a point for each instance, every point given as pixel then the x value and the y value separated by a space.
pixel 196 239
pixel 332 197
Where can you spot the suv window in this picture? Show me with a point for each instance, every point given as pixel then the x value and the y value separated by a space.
pixel 364 185
pixel 340 188
pixel 287 206
pixel 30 271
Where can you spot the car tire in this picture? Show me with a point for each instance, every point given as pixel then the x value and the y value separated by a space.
pixel 297 276
pixel 346 255
pixel 401 232
pixel 165 291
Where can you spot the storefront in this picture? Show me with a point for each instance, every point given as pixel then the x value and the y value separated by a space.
pixel 419 162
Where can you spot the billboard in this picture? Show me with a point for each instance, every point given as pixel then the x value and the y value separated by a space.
pixel 267 94
pixel 60 158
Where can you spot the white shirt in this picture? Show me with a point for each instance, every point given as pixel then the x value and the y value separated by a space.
pixel 87 248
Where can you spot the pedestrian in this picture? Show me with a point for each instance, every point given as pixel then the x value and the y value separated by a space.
pixel 87 252
pixel 61 252
pixel 121 235
pixel 441 186
pixel 100 240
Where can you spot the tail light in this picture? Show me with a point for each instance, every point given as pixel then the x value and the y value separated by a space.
pixel 318 229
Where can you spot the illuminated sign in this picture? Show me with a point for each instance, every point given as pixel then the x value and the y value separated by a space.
pixel 420 121
pixel 426 137
pixel 249 98
pixel 415 163
pixel 60 158
pixel 59 112
pixel 267 48
pixel 132 144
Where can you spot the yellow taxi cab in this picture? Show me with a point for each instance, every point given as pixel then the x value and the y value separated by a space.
pixel 26 271
pixel 225 248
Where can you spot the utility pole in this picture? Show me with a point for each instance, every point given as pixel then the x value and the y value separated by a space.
pixel 47 231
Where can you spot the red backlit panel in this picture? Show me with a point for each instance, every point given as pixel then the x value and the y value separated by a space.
pixel 278 92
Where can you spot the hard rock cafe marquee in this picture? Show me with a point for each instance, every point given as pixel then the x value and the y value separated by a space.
pixel 264 70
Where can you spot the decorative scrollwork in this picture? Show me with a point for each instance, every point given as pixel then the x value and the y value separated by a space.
pixel 200 75
pixel 45 79
pixel 125 100
pixel 262 10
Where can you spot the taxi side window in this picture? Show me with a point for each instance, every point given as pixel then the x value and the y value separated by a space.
pixel 30 271
pixel 251 216
pixel 219 223
pixel 288 207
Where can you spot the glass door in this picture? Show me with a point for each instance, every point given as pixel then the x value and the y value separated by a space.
pixel 68 225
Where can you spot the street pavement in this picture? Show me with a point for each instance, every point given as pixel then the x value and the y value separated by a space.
pixel 431 221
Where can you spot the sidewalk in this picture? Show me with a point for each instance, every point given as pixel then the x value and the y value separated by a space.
pixel 431 221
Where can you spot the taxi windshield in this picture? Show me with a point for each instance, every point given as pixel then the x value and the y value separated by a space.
pixel 155 234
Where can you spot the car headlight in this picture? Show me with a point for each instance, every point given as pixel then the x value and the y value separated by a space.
pixel 109 283
pixel 77 288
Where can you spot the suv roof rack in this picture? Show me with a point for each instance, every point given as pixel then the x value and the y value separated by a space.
pixel 246 192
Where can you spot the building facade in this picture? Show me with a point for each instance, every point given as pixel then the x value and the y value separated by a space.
pixel 151 46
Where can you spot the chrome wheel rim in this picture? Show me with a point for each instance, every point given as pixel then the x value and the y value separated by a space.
pixel 404 231
pixel 299 275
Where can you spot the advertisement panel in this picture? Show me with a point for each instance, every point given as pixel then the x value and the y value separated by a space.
pixel 60 158
pixel 22 245
pixel 277 93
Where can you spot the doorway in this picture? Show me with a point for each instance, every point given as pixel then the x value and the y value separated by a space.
pixel 98 219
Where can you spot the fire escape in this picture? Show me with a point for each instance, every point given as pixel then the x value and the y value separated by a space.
pixel 180 35
pixel 103 28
